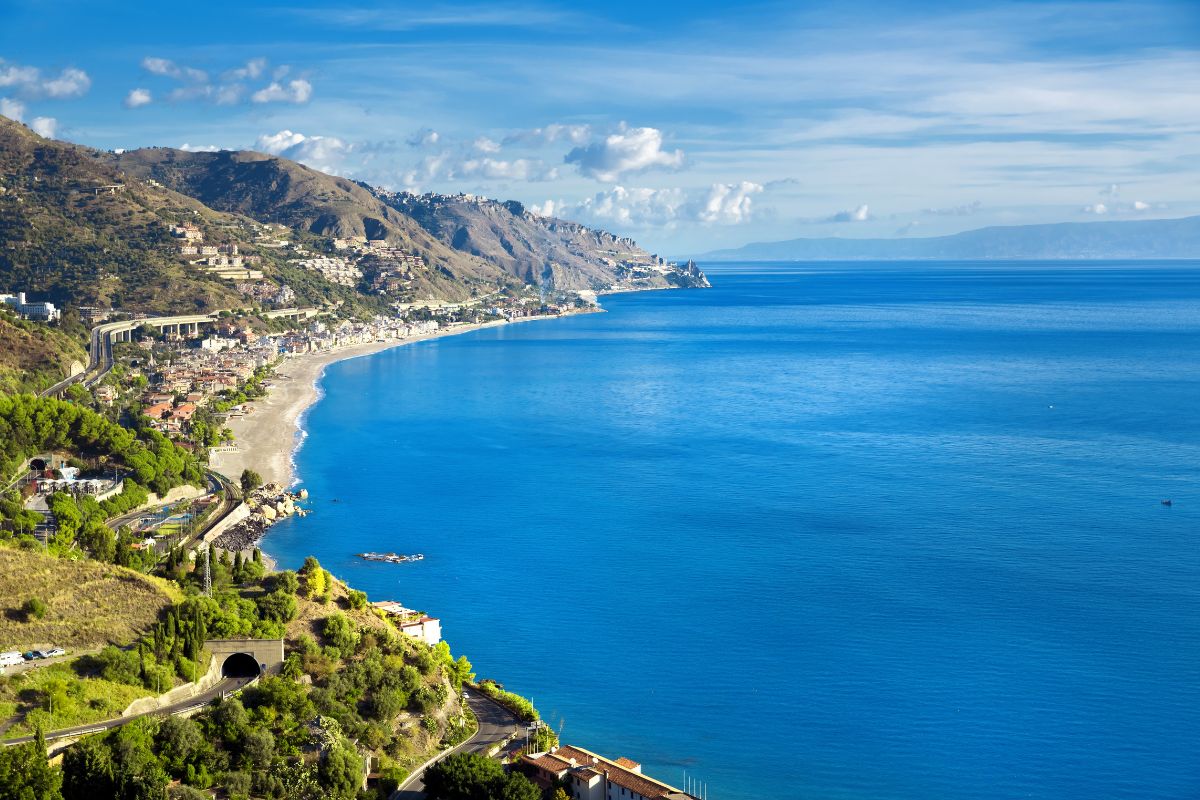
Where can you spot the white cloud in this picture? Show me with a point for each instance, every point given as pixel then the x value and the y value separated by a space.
pixel 44 126
pixel 719 204
pixel 1140 205
pixel 138 98
pixel 169 69
pixel 231 88
pixel 254 68
pixel 1096 208
pixel 486 145
pixel 276 143
pixel 729 203
pixel 860 214
pixel 70 83
pixel 449 166
pixel 13 109
pixel 29 81
pixel 324 153
pixel 575 134
pixel 296 91
pixel 199 148
pixel 520 169
pixel 631 150
pixel 426 137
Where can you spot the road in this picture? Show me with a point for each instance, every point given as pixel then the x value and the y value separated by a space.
pixel 496 724
pixel 219 689
pixel 100 359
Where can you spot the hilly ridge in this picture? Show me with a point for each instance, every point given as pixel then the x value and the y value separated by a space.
pixel 80 226
pixel 64 238
pixel 272 189
pixel 1155 238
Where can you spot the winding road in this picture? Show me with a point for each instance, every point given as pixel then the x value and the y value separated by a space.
pixel 496 725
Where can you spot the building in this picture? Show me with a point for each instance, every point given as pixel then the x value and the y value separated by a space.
pixel 43 312
pixel 589 776
pixel 419 626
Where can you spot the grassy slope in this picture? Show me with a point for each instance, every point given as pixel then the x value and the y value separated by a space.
pixel 33 356
pixel 90 603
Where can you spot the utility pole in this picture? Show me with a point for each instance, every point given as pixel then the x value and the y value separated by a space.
pixel 207 575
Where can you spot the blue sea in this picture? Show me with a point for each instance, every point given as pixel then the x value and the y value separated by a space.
pixel 821 531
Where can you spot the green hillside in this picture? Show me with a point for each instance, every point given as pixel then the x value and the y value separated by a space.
pixel 64 239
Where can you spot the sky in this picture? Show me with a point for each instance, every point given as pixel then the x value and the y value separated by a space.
pixel 688 126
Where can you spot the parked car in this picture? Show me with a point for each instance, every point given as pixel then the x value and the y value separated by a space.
pixel 57 651
pixel 32 655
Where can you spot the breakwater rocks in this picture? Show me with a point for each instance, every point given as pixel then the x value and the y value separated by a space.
pixel 267 506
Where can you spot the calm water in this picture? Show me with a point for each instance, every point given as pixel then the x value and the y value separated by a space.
pixel 818 532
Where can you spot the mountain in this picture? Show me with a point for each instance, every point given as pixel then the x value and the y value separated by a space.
pixel 466 243
pixel 272 189
pixel 65 238
pixel 1157 238
pixel 129 230
pixel 542 251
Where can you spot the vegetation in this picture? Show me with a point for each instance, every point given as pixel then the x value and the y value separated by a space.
pixel 470 776
pixel 520 706
pixel 30 425
pixel 88 604
pixel 25 773
pixel 251 480
pixel 63 695
pixel 32 355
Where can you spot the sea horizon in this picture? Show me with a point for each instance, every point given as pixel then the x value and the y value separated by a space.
pixel 832 458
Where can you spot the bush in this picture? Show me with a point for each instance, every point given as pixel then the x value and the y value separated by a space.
pixel 35 608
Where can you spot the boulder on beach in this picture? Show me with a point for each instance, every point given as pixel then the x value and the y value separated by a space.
pixel 303 494
pixel 268 512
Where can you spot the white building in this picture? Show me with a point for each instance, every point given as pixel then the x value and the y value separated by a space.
pixel 43 312
pixel 421 627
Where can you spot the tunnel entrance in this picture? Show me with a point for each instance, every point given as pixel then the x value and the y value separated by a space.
pixel 240 665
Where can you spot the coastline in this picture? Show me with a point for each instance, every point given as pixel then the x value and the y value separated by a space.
pixel 268 437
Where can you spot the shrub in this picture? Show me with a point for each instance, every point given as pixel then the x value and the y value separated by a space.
pixel 35 608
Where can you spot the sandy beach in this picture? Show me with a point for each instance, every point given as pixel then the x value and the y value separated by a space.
pixel 266 438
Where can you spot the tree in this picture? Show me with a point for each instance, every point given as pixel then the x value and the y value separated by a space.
pixel 340 632
pixel 315 578
pixel 517 787
pixel 278 606
pixel 285 581
pixel 463 776
pixel 88 771
pixel 340 771
pixel 251 480
pixel 357 599
pixel 26 774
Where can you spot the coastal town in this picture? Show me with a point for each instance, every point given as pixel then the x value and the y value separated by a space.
pixel 152 397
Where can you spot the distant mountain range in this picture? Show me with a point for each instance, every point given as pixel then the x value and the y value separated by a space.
pixel 80 226
pixel 1155 238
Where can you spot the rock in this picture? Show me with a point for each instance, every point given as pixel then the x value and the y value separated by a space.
pixel 303 494
pixel 268 512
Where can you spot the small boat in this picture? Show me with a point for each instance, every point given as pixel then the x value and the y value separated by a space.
pixel 1166 502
